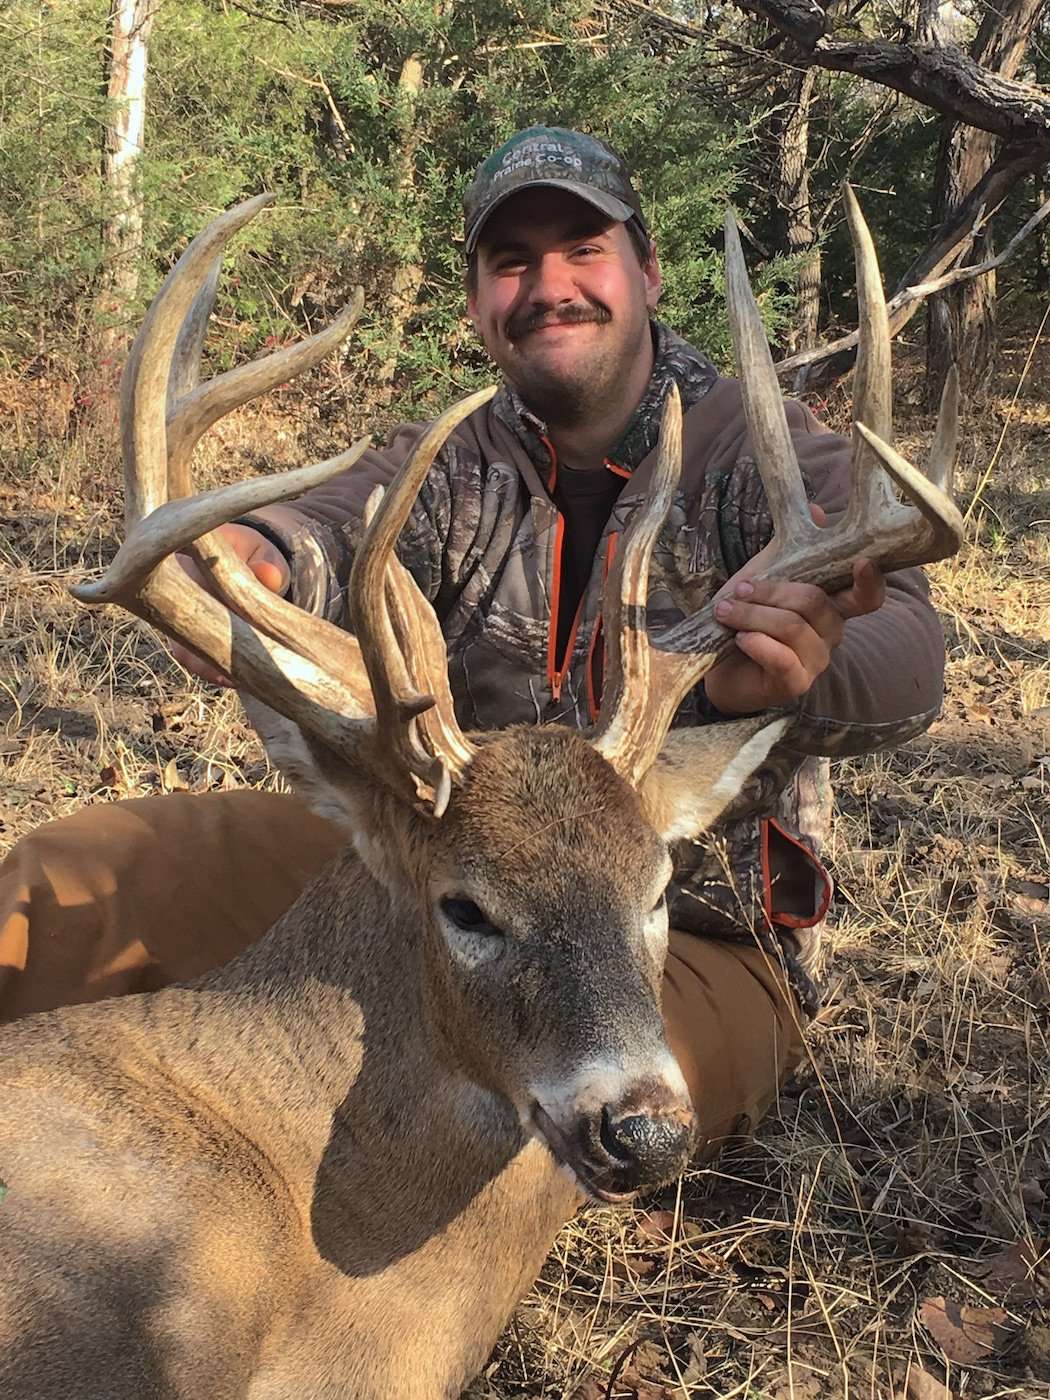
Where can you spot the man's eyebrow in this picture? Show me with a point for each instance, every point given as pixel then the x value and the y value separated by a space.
pixel 589 228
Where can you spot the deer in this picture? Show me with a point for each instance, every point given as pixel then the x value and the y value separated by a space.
pixel 332 1167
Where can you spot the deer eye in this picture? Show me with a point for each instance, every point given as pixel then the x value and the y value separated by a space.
pixel 467 915
pixel 661 904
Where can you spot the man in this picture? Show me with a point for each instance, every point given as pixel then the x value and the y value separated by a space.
pixel 511 539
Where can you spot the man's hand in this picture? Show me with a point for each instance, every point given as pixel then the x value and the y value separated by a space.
pixel 785 633
pixel 268 565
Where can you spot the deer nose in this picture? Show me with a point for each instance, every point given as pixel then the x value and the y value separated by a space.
pixel 650 1148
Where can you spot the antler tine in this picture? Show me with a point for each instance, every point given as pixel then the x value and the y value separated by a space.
pixel 443 747
pixel 144 386
pixel 763 402
pixel 173 526
pixel 900 542
pixel 879 528
pixel 629 733
pixel 428 726
pixel 299 665
pixel 873 389
pixel 416 745
pixel 185 372
pixel 190 417
pixel 941 464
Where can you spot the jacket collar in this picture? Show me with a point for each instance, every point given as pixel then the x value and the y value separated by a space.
pixel 674 362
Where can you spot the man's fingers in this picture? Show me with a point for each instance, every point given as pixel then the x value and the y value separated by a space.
pixel 867 594
pixel 786 611
pixel 787 675
pixel 271 575
pixel 264 559
pixel 808 647
pixel 825 612
pixel 197 666
pixel 268 565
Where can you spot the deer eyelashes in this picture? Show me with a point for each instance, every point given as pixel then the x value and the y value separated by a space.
pixel 471 937
pixel 467 916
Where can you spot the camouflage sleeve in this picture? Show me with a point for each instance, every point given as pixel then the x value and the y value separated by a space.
pixel 318 532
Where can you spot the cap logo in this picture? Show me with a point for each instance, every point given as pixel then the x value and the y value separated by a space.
pixel 536 155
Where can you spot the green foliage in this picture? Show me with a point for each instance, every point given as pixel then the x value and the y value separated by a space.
pixel 51 114
pixel 367 122
pixel 368 174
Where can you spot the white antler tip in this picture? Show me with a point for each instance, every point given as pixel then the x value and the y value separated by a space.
pixel 442 789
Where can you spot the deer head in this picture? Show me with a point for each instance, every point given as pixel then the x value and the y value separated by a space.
pixel 533 863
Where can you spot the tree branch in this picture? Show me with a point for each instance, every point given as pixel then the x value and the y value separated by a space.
pixel 939 76
pixel 964 274
pixel 821 367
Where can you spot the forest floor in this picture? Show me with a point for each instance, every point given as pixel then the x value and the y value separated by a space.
pixel 887 1233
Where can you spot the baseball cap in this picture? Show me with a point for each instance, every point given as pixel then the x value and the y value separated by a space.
pixel 553 156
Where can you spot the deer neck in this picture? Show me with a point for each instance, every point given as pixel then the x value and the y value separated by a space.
pixel 343 1062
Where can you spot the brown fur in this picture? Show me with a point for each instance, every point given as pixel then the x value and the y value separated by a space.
pixel 306 1174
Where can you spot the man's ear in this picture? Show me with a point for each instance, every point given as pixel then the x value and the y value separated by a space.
pixel 654 280
pixel 698 772
pixel 472 305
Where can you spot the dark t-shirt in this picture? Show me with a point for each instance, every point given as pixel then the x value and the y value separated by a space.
pixel 585 499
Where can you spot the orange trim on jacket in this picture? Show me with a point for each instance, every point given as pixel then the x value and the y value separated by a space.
pixel 557 668
pixel 820 874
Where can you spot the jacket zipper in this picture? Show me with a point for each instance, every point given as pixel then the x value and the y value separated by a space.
pixel 556 673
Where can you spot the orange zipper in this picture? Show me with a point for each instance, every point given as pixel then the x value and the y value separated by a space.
pixel 557 679
pixel 556 674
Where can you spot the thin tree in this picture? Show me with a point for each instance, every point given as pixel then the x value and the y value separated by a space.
pixel 126 64
pixel 976 90
pixel 793 213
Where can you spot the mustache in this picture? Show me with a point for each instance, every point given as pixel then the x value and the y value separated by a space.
pixel 575 315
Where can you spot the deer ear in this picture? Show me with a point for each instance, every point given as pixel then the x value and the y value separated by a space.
pixel 698 772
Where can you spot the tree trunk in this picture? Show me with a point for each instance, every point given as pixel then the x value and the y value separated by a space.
pixel 794 213
pixel 126 64
pixel 404 292
pixel 1041 273
pixel 819 368
pixel 961 323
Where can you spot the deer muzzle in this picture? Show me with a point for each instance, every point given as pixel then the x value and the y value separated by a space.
pixel 619 1143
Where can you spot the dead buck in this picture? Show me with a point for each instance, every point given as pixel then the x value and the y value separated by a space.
pixel 334 1166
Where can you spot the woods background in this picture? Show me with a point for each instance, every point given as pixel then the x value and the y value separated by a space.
pixel 125 127
pixel 887 1234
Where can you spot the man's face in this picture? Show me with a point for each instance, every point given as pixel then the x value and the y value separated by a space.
pixel 562 304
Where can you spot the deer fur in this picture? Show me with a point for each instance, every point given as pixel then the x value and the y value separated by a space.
pixel 312 1173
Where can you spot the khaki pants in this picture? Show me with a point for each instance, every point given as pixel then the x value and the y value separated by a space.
pixel 130 896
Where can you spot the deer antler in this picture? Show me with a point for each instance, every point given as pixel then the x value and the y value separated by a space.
pixel 647 679
pixel 307 669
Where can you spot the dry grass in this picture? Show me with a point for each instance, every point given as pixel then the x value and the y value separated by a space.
pixel 912 1154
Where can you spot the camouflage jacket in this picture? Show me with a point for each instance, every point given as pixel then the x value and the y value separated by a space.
pixel 484 542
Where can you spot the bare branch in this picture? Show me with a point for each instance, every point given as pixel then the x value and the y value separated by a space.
pixel 820 367
pixel 940 76
pixel 964 274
